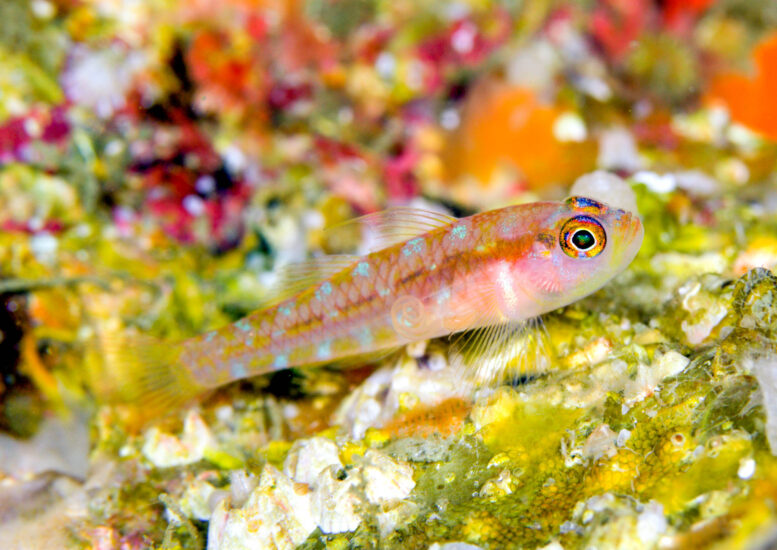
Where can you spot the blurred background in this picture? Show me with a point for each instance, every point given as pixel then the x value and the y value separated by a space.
pixel 161 159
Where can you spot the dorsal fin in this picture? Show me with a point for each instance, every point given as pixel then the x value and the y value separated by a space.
pixel 394 225
pixel 295 277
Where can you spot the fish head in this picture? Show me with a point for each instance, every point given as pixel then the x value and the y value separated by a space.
pixel 576 248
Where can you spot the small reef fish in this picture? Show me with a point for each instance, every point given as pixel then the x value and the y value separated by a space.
pixel 431 275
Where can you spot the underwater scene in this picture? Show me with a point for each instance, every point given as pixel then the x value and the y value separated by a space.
pixel 392 274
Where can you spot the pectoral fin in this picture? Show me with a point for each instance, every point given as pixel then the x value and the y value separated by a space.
pixel 502 350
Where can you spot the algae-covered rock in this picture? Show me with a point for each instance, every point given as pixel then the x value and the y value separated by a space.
pixel 161 161
pixel 277 514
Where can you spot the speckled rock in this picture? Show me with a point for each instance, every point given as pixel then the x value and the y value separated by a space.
pixel 165 450
pixel 277 514
pixel 307 458
pixel 337 502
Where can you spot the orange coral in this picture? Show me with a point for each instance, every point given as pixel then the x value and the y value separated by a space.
pixel 751 100
pixel 506 126
pixel 228 77
pixel 445 418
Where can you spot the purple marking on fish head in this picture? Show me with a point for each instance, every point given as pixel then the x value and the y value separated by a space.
pixel 572 249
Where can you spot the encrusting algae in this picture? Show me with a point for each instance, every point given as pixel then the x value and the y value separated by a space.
pixel 164 164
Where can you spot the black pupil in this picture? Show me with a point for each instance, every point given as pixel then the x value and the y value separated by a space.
pixel 583 239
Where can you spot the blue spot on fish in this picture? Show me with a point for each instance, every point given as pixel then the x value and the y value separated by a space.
pixel 324 350
pixel 324 290
pixel 363 269
pixel 365 337
pixel 276 334
pixel 383 292
pixel 281 361
pixel 444 295
pixel 460 231
pixel 249 342
pixel 508 227
pixel 238 370
pixel 243 325
pixel 413 247
pixel 334 313
pixel 285 310
pixel 210 336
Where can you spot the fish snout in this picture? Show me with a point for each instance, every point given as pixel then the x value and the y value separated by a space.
pixel 630 232
pixel 630 225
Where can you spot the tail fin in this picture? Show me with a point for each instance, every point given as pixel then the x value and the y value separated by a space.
pixel 142 371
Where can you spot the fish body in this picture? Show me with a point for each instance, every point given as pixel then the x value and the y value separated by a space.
pixel 493 268
pixel 498 266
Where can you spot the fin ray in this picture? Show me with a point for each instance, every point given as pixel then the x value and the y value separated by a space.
pixel 295 277
pixel 394 225
pixel 142 371
pixel 496 350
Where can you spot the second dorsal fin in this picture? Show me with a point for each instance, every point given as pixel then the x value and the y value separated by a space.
pixel 394 225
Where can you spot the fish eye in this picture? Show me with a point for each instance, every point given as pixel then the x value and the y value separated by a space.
pixel 582 237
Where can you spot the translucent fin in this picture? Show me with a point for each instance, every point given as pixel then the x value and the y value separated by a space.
pixel 144 372
pixel 296 277
pixel 502 349
pixel 359 360
pixel 394 225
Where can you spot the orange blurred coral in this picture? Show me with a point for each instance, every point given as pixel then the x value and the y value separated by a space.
pixel 505 126
pixel 228 78
pixel 444 419
pixel 751 100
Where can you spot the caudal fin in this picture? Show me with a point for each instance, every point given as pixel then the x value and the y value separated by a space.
pixel 142 371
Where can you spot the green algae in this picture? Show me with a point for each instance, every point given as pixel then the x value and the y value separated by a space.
pixel 684 449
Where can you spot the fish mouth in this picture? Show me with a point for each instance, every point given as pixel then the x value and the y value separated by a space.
pixel 629 226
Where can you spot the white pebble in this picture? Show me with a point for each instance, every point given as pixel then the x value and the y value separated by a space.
pixel 569 127
pixel 44 247
pixel 618 150
pixel 194 205
pixel 746 468
pixel 658 183
pixel 607 188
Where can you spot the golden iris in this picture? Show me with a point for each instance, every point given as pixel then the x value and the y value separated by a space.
pixel 582 237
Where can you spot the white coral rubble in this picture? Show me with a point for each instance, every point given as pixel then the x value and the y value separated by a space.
pixel 314 490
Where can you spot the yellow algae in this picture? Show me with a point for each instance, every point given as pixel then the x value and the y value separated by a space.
pixel 510 420
pixel 374 437
pixel 275 452
pixel 351 450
